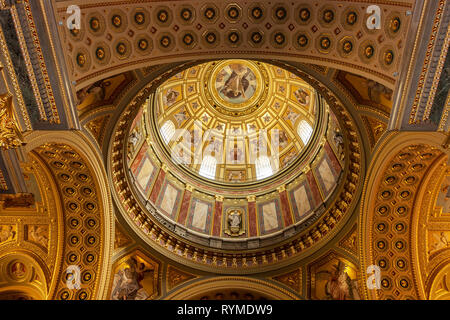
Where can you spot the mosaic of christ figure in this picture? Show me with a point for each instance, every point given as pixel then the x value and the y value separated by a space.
pixel 236 83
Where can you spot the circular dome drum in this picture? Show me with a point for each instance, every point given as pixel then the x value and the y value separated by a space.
pixel 233 156
pixel 233 121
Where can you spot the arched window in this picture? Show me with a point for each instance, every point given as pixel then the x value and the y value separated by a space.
pixel 304 130
pixel 208 167
pixel 167 131
pixel 263 167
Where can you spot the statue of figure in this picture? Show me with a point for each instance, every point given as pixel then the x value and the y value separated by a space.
pixel 339 142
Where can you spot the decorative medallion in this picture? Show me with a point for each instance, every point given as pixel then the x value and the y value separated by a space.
pixel 97 24
pixel 143 44
pixel 140 18
pixel 328 16
pixel 210 13
pixel 301 40
pixel 122 48
pixel 324 43
pixel 188 39
pixel 367 50
pixel 256 38
pixel 278 39
pixel 304 15
pixel 236 84
pixel 163 16
pixel 233 13
pixel 351 18
pixel 18 270
pixel 388 57
pixel 82 59
pixel 166 41
pixel 118 20
pixel 346 46
pixel 211 38
pixel 10 136
pixel 393 24
pixel 279 13
pixel 234 38
pixel 102 53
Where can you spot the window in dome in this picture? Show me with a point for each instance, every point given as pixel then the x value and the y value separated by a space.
pixel 167 131
pixel 263 167
pixel 208 167
pixel 304 130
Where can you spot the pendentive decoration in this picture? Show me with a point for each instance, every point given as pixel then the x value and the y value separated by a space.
pixel 10 136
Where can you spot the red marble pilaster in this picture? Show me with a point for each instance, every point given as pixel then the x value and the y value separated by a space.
pixel 157 187
pixel 252 228
pixel 317 198
pixel 334 161
pixel 139 156
pixel 217 218
pixel 287 217
pixel 184 207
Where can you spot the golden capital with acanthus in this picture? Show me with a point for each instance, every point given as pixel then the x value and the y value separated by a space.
pixel 10 136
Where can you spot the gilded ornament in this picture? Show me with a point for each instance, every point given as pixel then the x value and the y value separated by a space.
pixel 280 13
pixel 389 57
pixel 369 51
pixel 186 14
pixel 395 24
pixel 347 46
pixel 302 40
pixel 116 21
pixel 256 13
pixel 10 137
